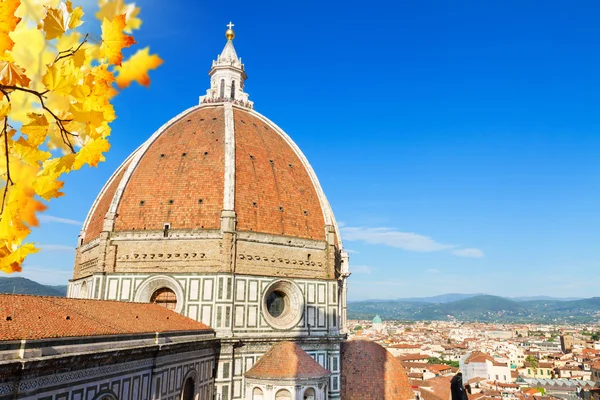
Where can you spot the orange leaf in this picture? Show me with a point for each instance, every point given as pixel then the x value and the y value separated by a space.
pixel 11 75
pixel 136 68
pixel 114 40
pixel 8 22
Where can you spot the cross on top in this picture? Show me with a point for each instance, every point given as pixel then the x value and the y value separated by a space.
pixel 230 25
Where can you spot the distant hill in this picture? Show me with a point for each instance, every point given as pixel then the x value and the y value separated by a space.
pixel 442 298
pixel 482 308
pixel 27 286
pixel 529 298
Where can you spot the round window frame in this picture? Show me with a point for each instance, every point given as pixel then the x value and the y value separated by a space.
pixel 147 288
pixel 294 311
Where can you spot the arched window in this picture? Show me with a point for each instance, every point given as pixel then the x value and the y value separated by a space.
pixel 83 292
pixel 309 394
pixel 283 394
pixel 188 389
pixel 233 89
pixel 164 297
pixel 257 394
pixel 222 92
pixel 106 395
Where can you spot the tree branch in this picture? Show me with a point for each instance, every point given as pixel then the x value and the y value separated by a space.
pixel 8 178
pixel 70 52
pixel 59 122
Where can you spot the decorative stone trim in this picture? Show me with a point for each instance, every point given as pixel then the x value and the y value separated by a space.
pixel 137 257
pixel 90 245
pixel 173 234
pixel 258 258
pixel 89 264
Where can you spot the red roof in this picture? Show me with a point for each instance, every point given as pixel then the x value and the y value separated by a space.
pixel 286 360
pixel 440 387
pixel 481 357
pixel 42 317
pixel 371 372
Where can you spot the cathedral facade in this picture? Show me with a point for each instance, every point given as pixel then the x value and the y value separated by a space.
pixel 220 217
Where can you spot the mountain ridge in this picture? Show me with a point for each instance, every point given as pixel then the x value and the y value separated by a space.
pixel 483 308
pixel 20 285
pixel 450 297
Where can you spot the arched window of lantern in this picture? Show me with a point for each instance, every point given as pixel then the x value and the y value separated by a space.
pixel 83 292
pixel 309 394
pixel 233 89
pixel 283 394
pixel 222 91
pixel 257 394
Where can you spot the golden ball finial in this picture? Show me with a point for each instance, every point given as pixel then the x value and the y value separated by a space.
pixel 229 33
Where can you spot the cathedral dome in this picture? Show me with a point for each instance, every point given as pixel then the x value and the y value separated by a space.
pixel 217 166
pixel 210 158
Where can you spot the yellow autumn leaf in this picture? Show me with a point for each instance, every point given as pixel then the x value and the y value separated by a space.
pixel 12 260
pixel 56 22
pixel 114 40
pixel 36 129
pixel 60 77
pixel 4 109
pixel 59 165
pixel 28 154
pixel 61 18
pixel 136 68
pixel 79 58
pixel 48 187
pixel 67 104
pixel 8 22
pixel 12 75
pixel 91 153
pixel 75 15
pixel 31 53
pixel 109 9
pixel 22 199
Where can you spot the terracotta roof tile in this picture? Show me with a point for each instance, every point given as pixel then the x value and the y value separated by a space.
pixel 286 360
pixel 370 372
pixel 184 165
pixel 42 317
pixel 273 191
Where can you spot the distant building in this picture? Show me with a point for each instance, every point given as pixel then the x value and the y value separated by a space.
pixel 499 334
pixel 481 365
pixel 541 370
pixel 377 324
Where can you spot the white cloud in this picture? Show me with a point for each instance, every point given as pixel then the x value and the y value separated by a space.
pixel 470 252
pixel 50 218
pixel 404 240
pixel 360 269
pixel 433 271
pixel 55 247
pixel 393 238
pixel 349 251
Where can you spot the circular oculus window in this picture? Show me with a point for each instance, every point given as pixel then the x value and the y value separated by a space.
pixel 283 305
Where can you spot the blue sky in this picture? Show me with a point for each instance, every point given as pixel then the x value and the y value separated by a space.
pixel 458 142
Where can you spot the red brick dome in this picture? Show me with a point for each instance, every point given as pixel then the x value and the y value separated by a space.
pixel 210 158
pixel 370 372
